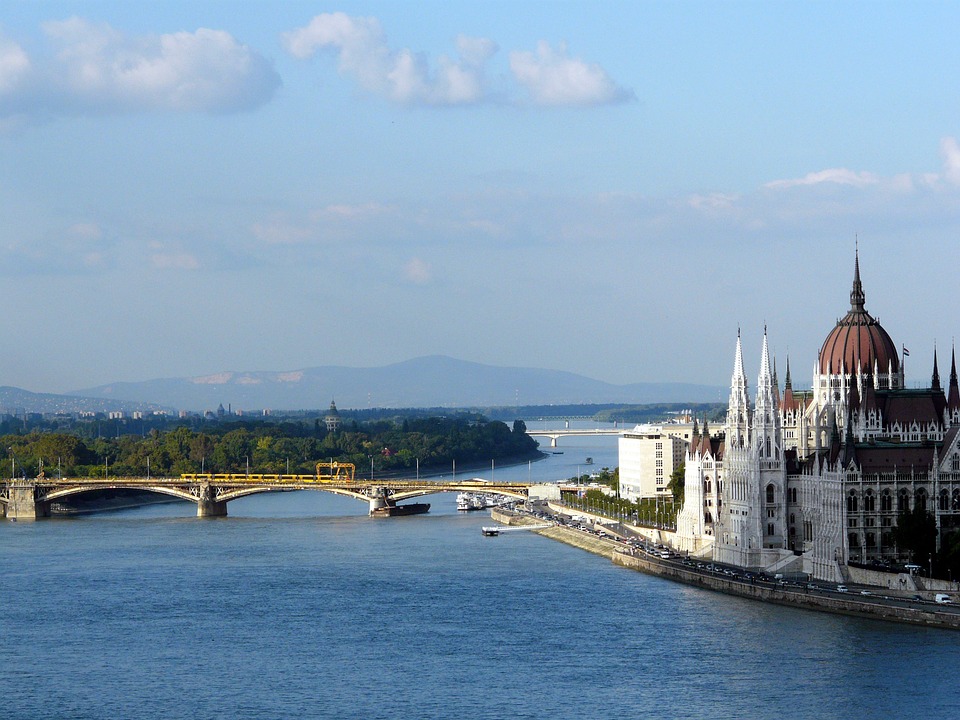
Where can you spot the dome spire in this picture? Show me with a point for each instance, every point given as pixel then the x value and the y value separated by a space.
pixel 857 298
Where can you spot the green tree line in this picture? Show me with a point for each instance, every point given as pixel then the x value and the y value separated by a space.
pixel 391 445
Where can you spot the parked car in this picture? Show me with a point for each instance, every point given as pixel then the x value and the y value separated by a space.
pixel 943 599
pixel 841 588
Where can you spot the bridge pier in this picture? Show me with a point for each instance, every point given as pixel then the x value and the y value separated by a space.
pixel 553 441
pixel 208 505
pixel 23 503
pixel 378 499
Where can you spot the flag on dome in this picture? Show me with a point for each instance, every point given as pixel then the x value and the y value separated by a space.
pixel 906 352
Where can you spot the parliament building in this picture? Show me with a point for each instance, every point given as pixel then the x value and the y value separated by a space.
pixel 805 481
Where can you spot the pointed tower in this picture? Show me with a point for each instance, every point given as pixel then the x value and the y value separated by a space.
pixel 738 410
pixel 766 415
pixel 935 380
pixel 953 396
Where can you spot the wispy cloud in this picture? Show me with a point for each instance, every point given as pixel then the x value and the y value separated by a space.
pixel 549 77
pixel 96 69
pixel 837 176
pixel 552 77
pixel 417 271
pixel 174 261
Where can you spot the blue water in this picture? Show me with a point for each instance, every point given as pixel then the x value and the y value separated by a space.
pixel 300 605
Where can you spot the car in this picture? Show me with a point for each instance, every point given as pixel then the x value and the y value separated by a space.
pixel 841 588
pixel 943 599
pixel 866 592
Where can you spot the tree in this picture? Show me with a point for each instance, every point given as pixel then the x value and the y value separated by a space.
pixel 519 427
pixel 916 532
pixel 676 483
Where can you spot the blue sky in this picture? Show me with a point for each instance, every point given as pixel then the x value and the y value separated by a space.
pixel 606 188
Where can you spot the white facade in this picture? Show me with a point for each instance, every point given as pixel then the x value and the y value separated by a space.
pixel 648 455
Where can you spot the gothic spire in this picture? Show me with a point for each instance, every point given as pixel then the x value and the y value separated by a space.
pixel 738 410
pixel 953 399
pixel 857 298
pixel 935 380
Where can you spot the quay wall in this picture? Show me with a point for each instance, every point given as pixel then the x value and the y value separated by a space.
pixel 764 592
pixel 807 600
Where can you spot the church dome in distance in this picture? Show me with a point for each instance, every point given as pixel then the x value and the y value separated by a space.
pixel 858 340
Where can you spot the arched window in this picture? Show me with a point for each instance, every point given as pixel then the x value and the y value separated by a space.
pixel 852 502
pixel 903 500
pixel 955 462
pixel 854 539
pixel 770 494
pixel 944 501
pixel 869 501
pixel 706 486
pixel 886 502
pixel 920 498
pixel 871 540
pixel 956 500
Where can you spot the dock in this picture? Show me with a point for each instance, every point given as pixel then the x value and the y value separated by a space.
pixel 493 531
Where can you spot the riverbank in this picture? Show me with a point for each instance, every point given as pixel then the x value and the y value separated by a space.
pixel 802 596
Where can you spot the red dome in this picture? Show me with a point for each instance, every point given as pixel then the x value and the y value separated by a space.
pixel 858 340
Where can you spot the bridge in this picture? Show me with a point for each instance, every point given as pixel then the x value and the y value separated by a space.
pixel 29 499
pixel 555 435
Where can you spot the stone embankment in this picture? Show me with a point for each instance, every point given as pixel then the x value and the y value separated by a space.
pixel 584 541
pixel 820 599
pixel 874 607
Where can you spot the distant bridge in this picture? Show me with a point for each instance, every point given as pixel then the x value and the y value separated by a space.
pixel 554 435
pixel 32 498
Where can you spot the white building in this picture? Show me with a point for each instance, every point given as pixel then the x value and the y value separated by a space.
pixel 648 455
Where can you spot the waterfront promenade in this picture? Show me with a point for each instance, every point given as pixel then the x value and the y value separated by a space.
pixel 649 556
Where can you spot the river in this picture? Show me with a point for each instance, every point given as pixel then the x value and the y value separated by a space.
pixel 300 605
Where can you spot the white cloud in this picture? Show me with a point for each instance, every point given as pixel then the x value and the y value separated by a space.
pixel 950 151
pixel 85 231
pixel 837 176
pixel 332 222
pixel 901 183
pixel 417 272
pixel 401 76
pixel 174 261
pixel 14 66
pixel 551 77
pixel 97 69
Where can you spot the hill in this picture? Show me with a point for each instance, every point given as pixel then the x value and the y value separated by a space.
pixel 433 381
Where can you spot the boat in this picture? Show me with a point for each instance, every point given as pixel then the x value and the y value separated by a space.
pixel 398 510
pixel 589 461
pixel 469 501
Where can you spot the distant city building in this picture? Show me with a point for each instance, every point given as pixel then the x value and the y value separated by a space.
pixel 115 415
pixel 648 455
pixel 332 418
pixel 809 481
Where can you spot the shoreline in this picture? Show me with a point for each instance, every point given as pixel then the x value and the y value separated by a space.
pixel 877 608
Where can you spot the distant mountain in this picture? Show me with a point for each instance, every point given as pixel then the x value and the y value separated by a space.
pixel 433 381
